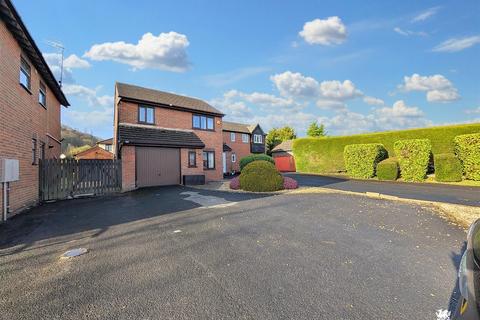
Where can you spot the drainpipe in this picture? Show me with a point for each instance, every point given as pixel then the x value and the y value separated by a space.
pixel 5 201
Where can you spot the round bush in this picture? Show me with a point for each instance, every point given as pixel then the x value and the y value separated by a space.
pixel 413 156
pixel 361 159
pixel 467 148
pixel 388 169
pixel 447 168
pixel 235 183
pixel 289 183
pixel 261 176
pixel 254 157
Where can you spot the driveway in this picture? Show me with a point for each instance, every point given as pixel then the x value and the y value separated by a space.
pixel 469 196
pixel 181 253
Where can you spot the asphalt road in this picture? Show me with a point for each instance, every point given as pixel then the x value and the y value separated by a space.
pixel 469 196
pixel 180 253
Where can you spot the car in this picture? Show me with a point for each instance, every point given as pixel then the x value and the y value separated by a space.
pixel 468 307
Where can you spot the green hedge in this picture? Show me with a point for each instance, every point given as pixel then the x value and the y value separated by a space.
pixel 254 157
pixel 325 155
pixel 261 176
pixel 413 157
pixel 447 167
pixel 361 159
pixel 388 169
pixel 467 148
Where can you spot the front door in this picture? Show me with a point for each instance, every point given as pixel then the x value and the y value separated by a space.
pixel 224 163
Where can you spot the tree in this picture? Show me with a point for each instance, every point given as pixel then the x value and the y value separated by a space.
pixel 277 135
pixel 316 130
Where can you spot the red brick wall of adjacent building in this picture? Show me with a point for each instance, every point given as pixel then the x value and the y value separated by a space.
pixel 23 118
pixel 176 119
pixel 240 148
pixel 128 168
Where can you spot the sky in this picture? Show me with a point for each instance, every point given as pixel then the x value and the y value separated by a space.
pixel 354 66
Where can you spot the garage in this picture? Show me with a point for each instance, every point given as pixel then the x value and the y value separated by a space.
pixel 283 156
pixel 157 166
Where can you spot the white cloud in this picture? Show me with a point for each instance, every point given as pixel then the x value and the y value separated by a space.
pixel 473 111
pixel 373 101
pixel 75 62
pixel 330 31
pixel 426 14
pixel 291 84
pixel 334 105
pixel 409 32
pixel 335 89
pixel 89 95
pixel 167 51
pixel 457 44
pixel 90 121
pixel 54 61
pixel 438 88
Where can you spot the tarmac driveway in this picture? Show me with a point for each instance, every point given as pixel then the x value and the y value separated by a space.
pixel 181 253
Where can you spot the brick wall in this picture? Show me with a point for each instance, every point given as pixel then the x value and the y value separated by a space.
pixel 240 148
pixel 21 118
pixel 169 118
pixel 128 168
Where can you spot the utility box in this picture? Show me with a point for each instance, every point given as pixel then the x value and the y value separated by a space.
pixel 9 170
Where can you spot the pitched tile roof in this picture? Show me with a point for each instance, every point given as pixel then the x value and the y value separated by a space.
pixel 14 23
pixel 106 141
pixel 143 135
pixel 238 127
pixel 284 146
pixel 137 93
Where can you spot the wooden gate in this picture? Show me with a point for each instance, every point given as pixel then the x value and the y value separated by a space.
pixel 61 179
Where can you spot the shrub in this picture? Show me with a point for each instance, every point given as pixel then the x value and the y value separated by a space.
pixel 235 183
pixel 254 157
pixel 413 156
pixel 261 176
pixel 289 183
pixel 467 149
pixel 447 168
pixel 388 169
pixel 361 159
pixel 325 155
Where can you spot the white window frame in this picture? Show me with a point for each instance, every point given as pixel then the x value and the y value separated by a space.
pixel 234 157
pixel 257 138
pixel 42 94
pixel 245 138
pixel 232 136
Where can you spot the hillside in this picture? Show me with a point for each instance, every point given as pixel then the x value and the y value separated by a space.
pixel 74 139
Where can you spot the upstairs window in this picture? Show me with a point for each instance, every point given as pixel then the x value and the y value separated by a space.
pixel 245 138
pixel 108 147
pixel 42 94
pixel 25 73
pixel 232 136
pixel 257 138
pixel 202 122
pixel 146 115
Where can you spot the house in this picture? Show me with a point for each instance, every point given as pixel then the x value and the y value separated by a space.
pixel 106 144
pixel 101 151
pixel 30 103
pixel 283 156
pixel 240 140
pixel 164 138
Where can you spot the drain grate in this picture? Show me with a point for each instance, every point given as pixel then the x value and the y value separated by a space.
pixel 74 253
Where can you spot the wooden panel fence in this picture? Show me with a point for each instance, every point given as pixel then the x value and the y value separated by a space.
pixel 62 179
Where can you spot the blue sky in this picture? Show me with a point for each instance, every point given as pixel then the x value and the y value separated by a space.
pixel 356 66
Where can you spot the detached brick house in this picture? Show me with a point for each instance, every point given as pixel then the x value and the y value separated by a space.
pixel 30 102
pixel 164 138
pixel 240 140
pixel 101 151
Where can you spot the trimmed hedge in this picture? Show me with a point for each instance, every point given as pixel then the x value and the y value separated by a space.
pixel 388 169
pixel 467 149
pixel 413 156
pixel 261 176
pixel 447 168
pixel 254 157
pixel 361 159
pixel 325 155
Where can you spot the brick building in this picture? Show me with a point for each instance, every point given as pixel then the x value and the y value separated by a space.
pixel 30 102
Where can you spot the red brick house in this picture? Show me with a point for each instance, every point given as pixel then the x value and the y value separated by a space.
pixel 30 102
pixel 94 153
pixel 240 140
pixel 164 138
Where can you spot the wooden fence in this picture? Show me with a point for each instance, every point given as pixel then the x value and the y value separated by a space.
pixel 62 179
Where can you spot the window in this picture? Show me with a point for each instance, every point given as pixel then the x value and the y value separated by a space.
pixel 245 138
pixel 24 73
pixel 34 151
pixel 146 115
pixel 202 122
pixel 232 136
pixel 208 160
pixel 192 159
pixel 257 138
pixel 42 94
pixel 108 147
pixel 234 157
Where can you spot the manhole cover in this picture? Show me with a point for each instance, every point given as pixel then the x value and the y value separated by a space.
pixel 74 253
